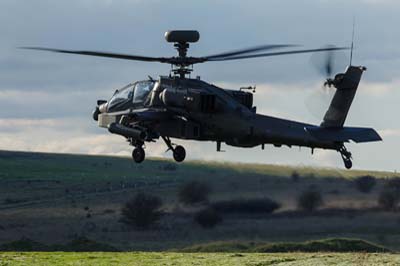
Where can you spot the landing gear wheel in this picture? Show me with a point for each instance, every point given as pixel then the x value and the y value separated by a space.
pixel 347 163
pixel 346 156
pixel 179 154
pixel 138 154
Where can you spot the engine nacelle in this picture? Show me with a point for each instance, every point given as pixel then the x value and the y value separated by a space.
pixel 245 98
pixel 191 100
pixel 173 98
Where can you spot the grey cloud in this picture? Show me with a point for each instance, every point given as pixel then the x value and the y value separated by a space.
pixel 138 27
pixel 65 88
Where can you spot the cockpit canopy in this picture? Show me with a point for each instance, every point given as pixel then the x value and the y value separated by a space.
pixel 142 90
pixel 134 94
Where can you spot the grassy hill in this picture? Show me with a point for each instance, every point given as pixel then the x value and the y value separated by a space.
pixel 55 198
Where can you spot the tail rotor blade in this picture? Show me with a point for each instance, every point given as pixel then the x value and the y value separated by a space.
pixel 329 62
pixel 318 101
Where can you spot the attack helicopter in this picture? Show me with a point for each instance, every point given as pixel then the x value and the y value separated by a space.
pixel 178 106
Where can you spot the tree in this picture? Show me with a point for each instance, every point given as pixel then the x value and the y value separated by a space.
pixel 310 200
pixel 249 206
pixel 365 183
pixel 389 198
pixel 142 211
pixel 194 192
pixel 207 218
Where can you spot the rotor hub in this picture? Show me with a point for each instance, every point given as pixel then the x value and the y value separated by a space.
pixel 181 40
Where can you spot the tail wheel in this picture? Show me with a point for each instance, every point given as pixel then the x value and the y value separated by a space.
pixel 179 153
pixel 346 156
pixel 138 154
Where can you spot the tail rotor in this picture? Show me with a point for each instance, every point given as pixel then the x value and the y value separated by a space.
pixel 326 64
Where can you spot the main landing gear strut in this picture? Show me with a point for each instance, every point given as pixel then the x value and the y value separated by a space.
pixel 138 153
pixel 179 152
pixel 346 156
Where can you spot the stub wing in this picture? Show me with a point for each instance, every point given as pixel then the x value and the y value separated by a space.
pixel 344 134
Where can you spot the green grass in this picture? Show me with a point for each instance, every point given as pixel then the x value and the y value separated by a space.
pixel 187 259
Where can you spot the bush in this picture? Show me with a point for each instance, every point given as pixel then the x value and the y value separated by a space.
pixel 264 205
pixel 310 200
pixel 24 244
pixel 194 192
pixel 170 167
pixel 83 244
pixel 208 218
pixel 142 211
pixel 393 183
pixel 389 197
pixel 295 176
pixel 323 245
pixel 365 184
pixel 233 246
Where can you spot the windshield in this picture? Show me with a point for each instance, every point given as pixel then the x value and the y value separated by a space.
pixel 122 95
pixel 142 89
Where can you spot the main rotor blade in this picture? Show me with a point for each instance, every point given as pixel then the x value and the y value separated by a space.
pixel 278 53
pixel 103 54
pixel 249 50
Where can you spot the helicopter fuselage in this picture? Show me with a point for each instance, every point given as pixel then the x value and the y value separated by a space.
pixel 196 110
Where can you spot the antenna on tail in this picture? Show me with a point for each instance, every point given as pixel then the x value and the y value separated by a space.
pixel 352 41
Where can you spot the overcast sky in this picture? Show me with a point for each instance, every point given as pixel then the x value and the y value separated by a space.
pixel 46 99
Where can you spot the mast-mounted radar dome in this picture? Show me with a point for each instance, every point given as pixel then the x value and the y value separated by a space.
pixel 182 36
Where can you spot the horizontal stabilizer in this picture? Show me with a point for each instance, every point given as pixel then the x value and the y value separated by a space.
pixel 344 134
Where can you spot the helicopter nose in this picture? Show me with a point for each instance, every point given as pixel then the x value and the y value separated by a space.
pixel 100 108
pixel 96 113
pixel 103 107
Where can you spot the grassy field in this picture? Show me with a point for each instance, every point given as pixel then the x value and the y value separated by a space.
pixel 187 259
pixel 55 198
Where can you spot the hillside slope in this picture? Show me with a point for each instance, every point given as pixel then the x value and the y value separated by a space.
pixel 54 198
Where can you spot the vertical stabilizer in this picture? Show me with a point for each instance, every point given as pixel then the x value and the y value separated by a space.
pixel 346 86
